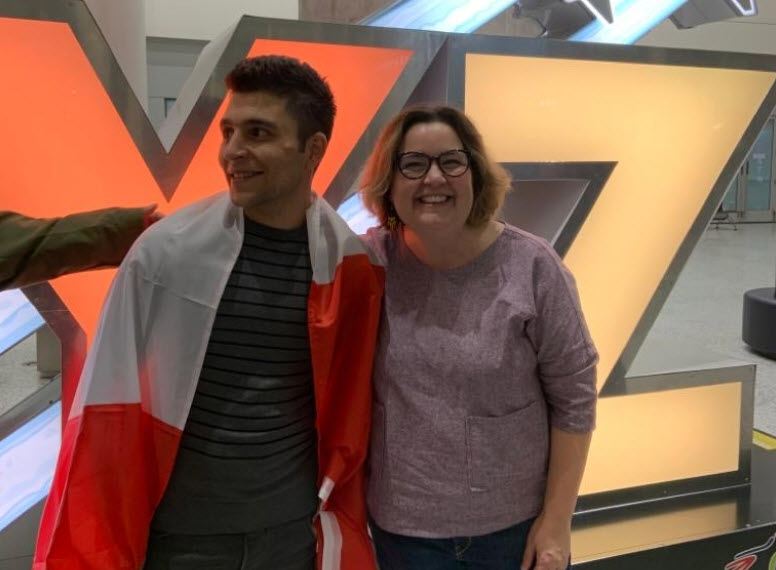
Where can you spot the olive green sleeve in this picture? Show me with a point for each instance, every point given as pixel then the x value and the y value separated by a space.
pixel 33 250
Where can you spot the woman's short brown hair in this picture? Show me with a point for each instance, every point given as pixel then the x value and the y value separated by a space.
pixel 490 182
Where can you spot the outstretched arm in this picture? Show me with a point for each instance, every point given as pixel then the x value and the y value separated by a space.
pixel 33 250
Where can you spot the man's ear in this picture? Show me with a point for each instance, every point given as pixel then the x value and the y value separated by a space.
pixel 315 148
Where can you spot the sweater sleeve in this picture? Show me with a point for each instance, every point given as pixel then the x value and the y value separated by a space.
pixel 33 250
pixel 566 355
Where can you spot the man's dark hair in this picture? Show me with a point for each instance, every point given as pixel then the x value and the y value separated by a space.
pixel 308 97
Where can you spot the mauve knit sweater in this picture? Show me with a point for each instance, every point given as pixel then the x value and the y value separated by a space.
pixel 473 366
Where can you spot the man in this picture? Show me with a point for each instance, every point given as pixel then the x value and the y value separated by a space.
pixel 35 249
pixel 228 389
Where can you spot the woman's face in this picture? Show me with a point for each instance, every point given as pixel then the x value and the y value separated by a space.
pixel 435 201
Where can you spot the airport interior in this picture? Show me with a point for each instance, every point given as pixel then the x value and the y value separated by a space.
pixel 639 135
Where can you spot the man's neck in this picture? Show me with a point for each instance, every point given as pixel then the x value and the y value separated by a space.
pixel 284 216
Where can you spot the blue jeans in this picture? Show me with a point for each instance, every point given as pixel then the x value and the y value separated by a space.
pixel 500 550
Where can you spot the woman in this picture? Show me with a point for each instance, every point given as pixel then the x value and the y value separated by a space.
pixel 485 372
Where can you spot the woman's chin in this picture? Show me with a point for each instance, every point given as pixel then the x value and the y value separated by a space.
pixel 432 223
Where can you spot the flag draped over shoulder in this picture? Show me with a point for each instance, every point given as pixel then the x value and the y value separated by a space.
pixel 133 399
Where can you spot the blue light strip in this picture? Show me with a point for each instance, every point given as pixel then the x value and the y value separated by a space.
pixel 632 20
pixel 27 460
pixel 18 318
pixel 356 215
pixel 750 11
pixel 462 16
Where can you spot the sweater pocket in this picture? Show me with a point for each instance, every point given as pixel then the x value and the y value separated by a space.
pixel 507 448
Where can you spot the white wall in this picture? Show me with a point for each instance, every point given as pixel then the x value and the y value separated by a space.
pixel 155 76
pixel 170 62
pixel 754 35
pixel 177 31
pixel 123 25
pixel 205 19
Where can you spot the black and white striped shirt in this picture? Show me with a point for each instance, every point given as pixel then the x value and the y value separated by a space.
pixel 247 457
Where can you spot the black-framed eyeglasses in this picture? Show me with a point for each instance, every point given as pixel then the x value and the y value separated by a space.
pixel 414 165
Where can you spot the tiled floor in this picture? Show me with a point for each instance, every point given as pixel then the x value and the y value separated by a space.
pixel 705 306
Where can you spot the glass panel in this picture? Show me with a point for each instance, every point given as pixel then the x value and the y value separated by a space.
pixel 758 178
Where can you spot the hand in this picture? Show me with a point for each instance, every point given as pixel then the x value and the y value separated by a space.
pixel 548 545
pixel 150 215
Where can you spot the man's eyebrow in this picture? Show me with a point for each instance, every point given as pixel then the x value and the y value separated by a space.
pixel 249 123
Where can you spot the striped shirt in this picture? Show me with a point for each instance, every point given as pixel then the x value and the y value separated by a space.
pixel 247 457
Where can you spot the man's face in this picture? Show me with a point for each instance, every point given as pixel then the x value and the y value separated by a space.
pixel 260 154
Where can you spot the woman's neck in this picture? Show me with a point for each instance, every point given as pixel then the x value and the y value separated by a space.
pixel 448 250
